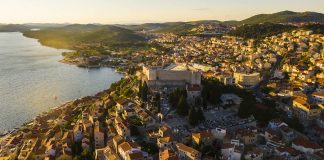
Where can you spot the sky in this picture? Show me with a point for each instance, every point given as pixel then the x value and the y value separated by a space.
pixel 143 11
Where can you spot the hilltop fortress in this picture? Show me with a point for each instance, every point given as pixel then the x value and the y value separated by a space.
pixel 172 75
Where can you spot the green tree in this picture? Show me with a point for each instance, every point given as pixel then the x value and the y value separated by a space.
pixel 140 89
pixel 200 115
pixel 247 108
pixel 77 158
pixel 192 118
pixel 182 107
pixel 86 154
pixel 158 101
pixel 144 92
pixel 198 102
pixel 134 131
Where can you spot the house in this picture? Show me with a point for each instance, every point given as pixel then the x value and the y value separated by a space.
pixel 121 127
pixel 219 133
pixel 67 150
pixel 165 142
pixel 227 150
pixel 136 156
pixel 188 153
pixel 39 153
pixel 26 149
pixel 126 148
pixel 304 111
pixel 274 142
pixel 227 80
pixel 247 136
pixel 129 112
pixel 270 133
pixel 167 154
pixel 205 137
pixel 287 134
pixel 255 154
pixel 193 91
pixel 306 146
pixel 77 132
pixel 123 104
pixel 165 130
pixel 318 98
pixel 144 117
pixel 287 152
pixel 117 140
pixel 85 142
pixel 99 136
pixel 246 80
pixel 51 148
pixel 320 89
pixel 276 123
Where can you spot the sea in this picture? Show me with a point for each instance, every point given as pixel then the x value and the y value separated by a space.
pixel 33 81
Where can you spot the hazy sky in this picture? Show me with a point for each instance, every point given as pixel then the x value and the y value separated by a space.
pixel 139 11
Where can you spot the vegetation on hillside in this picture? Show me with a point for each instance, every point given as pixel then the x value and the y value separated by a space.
pixel 71 36
pixel 317 28
pixel 285 17
pixel 13 28
pixel 260 31
pixel 180 29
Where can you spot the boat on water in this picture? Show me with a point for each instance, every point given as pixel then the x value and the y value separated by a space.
pixel 55 97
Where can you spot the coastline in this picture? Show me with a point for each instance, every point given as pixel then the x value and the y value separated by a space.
pixel 68 104
pixel 63 105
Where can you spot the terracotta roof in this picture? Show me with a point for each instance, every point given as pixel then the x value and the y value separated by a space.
pixel 228 145
pixel 318 94
pixel 126 146
pixel 135 156
pixel 98 128
pixel 123 101
pixel 168 154
pixel 289 150
pixel 185 148
pixel 245 132
pixel 164 128
pixel 118 138
pixel 306 143
pixel 203 134
pixel 166 139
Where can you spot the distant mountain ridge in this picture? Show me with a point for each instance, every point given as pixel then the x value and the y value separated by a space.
pixel 14 28
pixel 76 34
pixel 285 17
pixel 279 17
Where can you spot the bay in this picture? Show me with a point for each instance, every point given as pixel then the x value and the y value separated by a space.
pixel 33 81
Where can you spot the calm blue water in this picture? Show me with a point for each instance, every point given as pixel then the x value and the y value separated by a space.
pixel 31 76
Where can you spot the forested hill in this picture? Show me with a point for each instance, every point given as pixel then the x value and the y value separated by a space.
pixel 285 17
pixel 73 35
pixel 260 31
pixel 14 28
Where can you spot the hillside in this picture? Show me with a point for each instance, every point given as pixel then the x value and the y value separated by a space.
pixel 145 26
pixel 260 31
pixel 73 35
pixel 14 28
pixel 285 17
pixel 169 27
pixel 178 28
